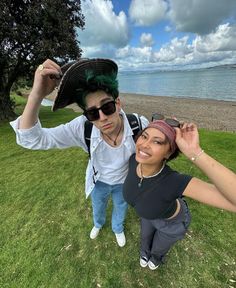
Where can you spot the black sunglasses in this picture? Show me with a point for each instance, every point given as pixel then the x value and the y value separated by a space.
pixel 107 109
pixel 169 121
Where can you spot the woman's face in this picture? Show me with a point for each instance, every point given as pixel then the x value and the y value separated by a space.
pixel 152 147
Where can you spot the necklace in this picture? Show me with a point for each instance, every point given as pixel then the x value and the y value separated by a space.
pixel 151 176
pixel 118 133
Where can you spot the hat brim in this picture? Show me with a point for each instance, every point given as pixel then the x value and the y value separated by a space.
pixel 75 75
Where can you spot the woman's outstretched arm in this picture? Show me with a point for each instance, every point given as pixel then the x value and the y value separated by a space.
pixel 222 193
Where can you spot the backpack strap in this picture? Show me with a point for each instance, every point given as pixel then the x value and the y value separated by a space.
pixel 87 134
pixel 134 122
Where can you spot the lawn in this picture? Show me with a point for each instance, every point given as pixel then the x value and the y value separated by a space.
pixel 46 220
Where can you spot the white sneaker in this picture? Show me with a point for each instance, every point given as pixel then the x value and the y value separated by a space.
pixel 143 262
pixel 120 238
pixel 94 232
pixel 152 266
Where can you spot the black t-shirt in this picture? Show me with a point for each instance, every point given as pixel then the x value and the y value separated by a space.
pixel 156 198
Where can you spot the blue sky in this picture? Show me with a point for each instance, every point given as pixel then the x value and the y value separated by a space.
pixel 157 34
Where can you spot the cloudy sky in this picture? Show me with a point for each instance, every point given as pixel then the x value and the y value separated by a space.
pixel 151 34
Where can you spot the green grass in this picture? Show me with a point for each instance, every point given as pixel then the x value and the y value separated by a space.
pixel 46 220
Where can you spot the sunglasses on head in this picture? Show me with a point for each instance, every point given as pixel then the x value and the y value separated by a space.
pixel 169 121
pixel 107 109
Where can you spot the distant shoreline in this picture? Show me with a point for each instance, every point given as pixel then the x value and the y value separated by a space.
pixel 233 102
pixel 180 97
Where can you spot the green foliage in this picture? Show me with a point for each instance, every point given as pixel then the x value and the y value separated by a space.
pixel 21 85
pixel 46 220
pixel 32 31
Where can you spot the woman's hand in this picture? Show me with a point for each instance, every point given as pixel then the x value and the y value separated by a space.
pixel 187 139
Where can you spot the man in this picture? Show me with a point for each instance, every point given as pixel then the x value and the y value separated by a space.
pixel 93 85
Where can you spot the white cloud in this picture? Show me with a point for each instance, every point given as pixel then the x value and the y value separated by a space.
pixel 133 57
pixel 201 52
pixel 106 34
pixel 200 16
pixel 214 49
pixel 135 54
pixel 176 49
pixel 168 28
pixel 146 39
pixel 221 40
pixel 99 51
pixel 102 25
pixel 147 12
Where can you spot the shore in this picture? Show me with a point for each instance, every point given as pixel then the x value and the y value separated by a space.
pixel 209 114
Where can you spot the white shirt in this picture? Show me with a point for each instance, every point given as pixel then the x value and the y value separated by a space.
pixel 109 163
pixel 113 162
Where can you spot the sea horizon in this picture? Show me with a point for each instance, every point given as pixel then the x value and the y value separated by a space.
pixel 216 83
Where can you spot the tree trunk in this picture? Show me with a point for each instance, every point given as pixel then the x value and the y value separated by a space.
pixel 6 81
pixel 6 107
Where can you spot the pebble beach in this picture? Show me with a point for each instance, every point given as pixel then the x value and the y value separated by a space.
pixel 209 114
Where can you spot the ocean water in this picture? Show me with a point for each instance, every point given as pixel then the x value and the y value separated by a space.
pixel 47 102
pixel 217 83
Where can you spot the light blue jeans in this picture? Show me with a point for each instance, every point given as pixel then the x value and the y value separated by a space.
pixel 100 196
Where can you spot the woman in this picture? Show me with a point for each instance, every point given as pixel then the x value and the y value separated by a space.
pixel 155 190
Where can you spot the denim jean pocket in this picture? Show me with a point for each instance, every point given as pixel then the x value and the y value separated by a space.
pixel 187 220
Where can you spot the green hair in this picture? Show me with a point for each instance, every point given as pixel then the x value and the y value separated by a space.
pixel 93 83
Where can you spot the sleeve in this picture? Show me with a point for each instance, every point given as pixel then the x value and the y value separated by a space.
pixel 181 183
pixel 63 136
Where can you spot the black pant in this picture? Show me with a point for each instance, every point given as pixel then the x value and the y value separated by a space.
pixel 159 235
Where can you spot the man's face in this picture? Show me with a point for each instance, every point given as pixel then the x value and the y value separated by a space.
pixel 106 123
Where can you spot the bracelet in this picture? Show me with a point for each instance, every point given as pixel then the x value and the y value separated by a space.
pixel 194 158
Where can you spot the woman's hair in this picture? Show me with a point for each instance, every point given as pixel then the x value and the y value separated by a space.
pixel 93 83
pixel 174 155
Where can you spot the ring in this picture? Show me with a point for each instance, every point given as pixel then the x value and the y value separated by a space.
pixel 41 67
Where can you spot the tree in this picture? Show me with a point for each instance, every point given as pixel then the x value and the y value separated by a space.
pixel 30 32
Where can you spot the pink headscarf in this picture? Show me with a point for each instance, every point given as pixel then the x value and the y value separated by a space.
pixel 167 130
